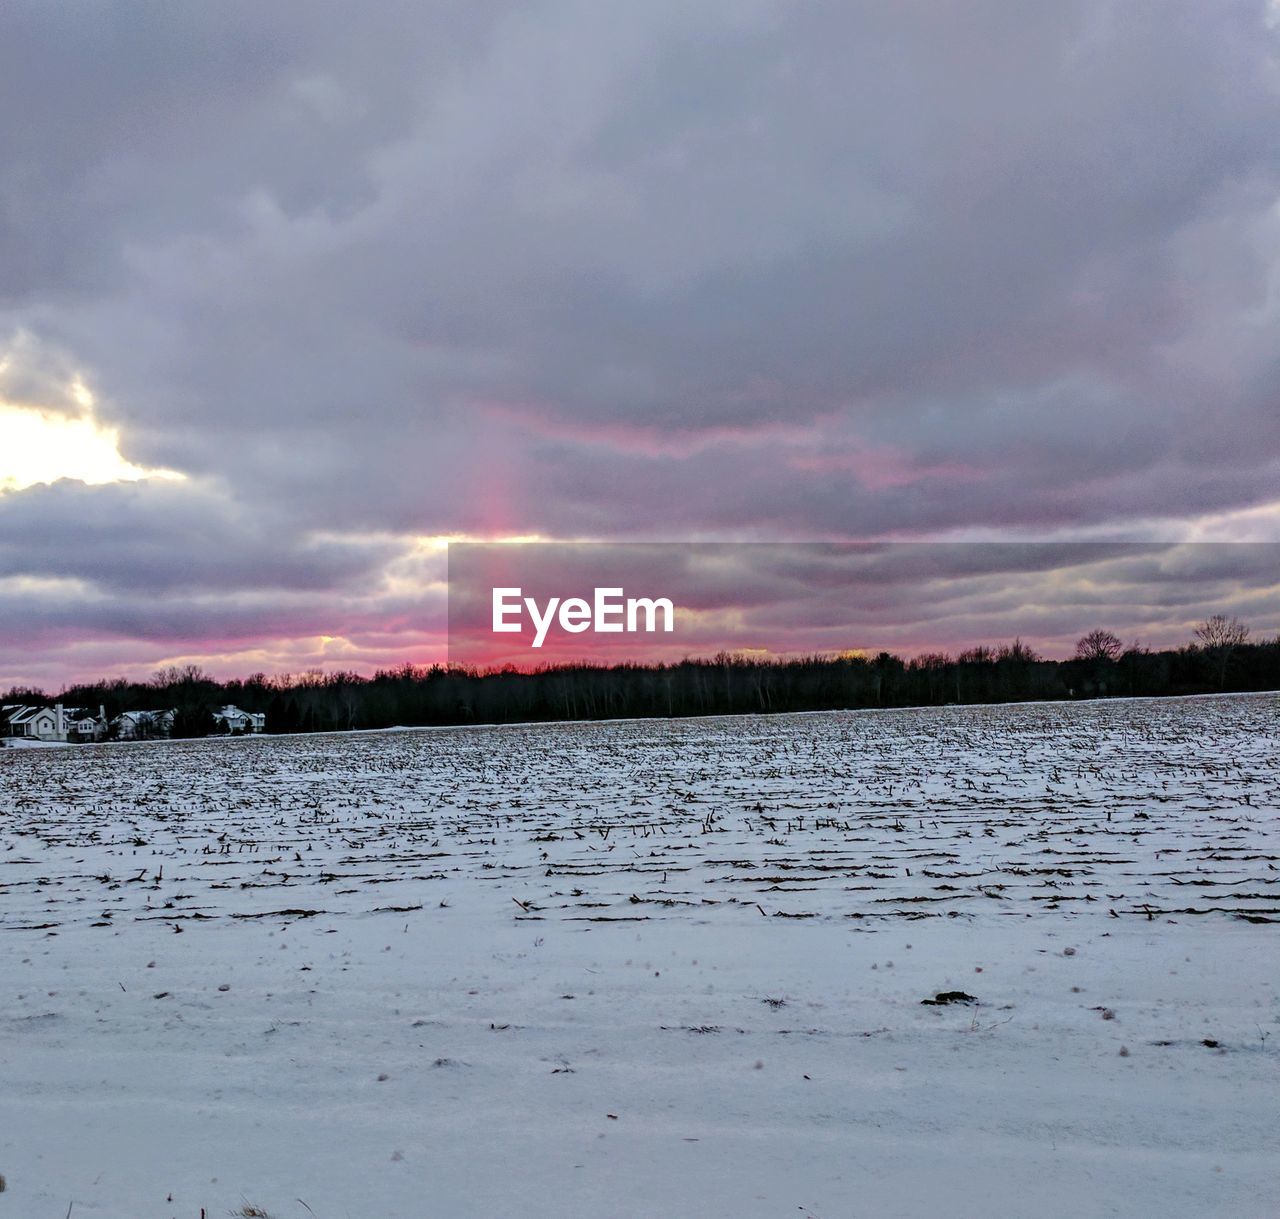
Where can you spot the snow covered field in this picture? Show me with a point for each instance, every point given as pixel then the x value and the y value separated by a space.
pixel 671 968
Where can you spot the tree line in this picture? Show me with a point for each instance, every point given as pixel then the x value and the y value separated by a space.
pixel 1220 658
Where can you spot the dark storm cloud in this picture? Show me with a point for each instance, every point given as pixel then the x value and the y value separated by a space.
pixel 727 269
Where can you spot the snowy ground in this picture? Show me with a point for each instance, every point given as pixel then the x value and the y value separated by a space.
pixel 651 969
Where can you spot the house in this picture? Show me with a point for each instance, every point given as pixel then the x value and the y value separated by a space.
pixel 14 717
pixel 56 723
pixel 236 722
pixel 35 723
pixel 142 725
pixel 86 726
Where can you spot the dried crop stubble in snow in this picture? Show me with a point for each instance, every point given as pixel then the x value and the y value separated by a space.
pixel 653 967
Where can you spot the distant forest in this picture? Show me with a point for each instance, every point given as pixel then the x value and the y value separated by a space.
pixel 1221 659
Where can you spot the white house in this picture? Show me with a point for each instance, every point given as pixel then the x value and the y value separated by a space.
pixel 36 723
pixel 234 721
pixel 142 725
pixel 14 717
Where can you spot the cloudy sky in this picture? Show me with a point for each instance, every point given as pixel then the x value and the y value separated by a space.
pixel 290 293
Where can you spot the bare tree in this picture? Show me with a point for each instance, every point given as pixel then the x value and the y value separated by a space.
pixel 1019 651
pixel 1219 637
pixel 1221 632
pixel 1099 645
pixel 179 675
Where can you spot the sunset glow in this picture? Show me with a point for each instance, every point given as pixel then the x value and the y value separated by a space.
pixel 41 447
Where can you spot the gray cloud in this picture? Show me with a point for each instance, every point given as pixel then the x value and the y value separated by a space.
pixel 157 537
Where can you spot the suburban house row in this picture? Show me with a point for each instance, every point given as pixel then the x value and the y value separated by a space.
pixel 81 725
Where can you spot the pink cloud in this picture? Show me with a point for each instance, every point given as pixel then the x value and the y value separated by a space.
pixel 880 467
